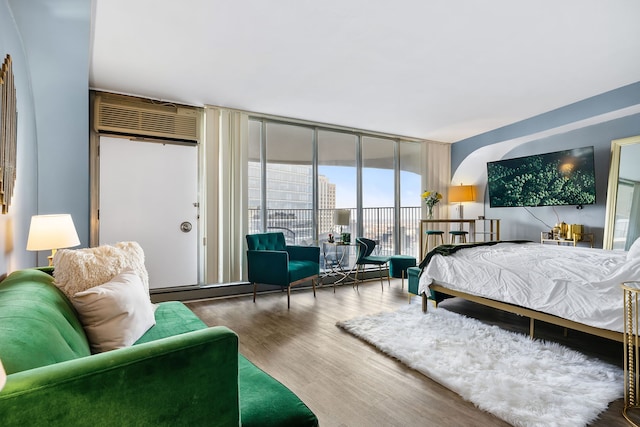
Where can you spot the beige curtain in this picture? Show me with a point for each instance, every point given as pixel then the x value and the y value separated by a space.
pixel 226 194
pixel 437 175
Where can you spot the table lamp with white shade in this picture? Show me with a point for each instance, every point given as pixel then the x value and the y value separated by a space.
pixel 342 218
pixel 52 232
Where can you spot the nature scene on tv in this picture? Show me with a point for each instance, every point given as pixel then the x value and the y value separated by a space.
pixel 551 179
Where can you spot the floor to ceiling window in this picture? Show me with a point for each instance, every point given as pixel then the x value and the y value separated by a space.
pixel 378 192
pixel 337 181
pixel 280 162
pixel 301 175
pixel 410 197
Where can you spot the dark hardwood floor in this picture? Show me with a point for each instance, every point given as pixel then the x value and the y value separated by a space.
pixel 347 382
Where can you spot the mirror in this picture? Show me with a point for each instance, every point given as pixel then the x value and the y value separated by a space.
pixel 622 222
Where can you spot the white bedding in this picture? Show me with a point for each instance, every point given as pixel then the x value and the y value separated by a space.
pixel 576 283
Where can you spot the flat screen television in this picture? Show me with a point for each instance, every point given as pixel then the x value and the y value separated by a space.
pixel 551 179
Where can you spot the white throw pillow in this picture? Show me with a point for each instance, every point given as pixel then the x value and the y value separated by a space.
pixel 76 270
pixel 634 250
pixel 115 314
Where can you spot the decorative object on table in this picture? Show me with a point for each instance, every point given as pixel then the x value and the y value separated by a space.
pixel 342 217
pixel 431 198
pixel 346 238
pixel 8 134
pixel 550 384
pixel 330 239
pixel 52 232
pixel 575 230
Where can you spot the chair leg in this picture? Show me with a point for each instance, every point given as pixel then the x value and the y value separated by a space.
pixel 255 287
pixel 288 297
pixel 313 285
pixel 380 272
pixel 388 277
pixel 355 277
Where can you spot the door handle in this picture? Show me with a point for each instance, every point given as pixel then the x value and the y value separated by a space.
pixel 186 227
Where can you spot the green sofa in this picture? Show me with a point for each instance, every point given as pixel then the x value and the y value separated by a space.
pixel 180 373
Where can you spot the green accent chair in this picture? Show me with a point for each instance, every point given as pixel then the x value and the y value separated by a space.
pixel 460 234
pixel 365 249
pixel 272 262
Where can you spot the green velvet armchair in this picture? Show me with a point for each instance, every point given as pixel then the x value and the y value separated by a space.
pixel 272 262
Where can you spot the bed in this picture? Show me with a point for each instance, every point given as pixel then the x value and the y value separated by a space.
pixel 574 287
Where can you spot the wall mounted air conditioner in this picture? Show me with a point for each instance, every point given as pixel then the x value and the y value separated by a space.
pixel 126 115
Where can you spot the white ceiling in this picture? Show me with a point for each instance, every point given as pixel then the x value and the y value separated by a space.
pixel 442 70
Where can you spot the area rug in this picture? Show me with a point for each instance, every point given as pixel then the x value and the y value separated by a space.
pixel 522 381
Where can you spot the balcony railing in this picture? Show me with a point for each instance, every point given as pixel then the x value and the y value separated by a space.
pixel 377 223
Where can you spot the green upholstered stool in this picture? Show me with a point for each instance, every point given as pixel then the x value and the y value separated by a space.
pixel 398 265
pixel 460 234
pixel 432 239
pixel 413 273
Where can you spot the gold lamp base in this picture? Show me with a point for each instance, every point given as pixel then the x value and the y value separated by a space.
pixel 50 257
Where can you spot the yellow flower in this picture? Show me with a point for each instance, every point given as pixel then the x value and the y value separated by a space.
pixel 431 197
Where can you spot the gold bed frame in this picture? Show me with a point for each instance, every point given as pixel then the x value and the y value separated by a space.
pixel 533 315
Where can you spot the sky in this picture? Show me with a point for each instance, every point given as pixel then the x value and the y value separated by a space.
pixel 377 189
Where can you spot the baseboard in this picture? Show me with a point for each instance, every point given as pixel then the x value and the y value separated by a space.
pixel 234 289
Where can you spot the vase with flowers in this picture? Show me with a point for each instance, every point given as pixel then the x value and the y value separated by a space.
pixel 431 198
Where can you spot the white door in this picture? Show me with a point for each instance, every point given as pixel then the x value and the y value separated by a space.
pixel 149 194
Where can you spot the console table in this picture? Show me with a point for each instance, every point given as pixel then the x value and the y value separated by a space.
pixel 490 229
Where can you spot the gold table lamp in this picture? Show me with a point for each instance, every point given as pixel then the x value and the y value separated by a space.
pixel 462 193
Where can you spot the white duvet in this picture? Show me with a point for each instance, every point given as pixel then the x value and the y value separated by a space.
pixel 576 283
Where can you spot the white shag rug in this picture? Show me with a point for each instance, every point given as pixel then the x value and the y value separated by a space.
pixel 525 382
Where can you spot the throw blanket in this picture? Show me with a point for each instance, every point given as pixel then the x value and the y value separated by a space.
pixel 446 250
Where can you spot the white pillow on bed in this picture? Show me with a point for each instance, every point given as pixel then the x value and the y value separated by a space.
pixel 634 250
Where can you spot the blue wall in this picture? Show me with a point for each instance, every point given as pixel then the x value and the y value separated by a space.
pixel 575 130
pixel 15 225
pixel 49 40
